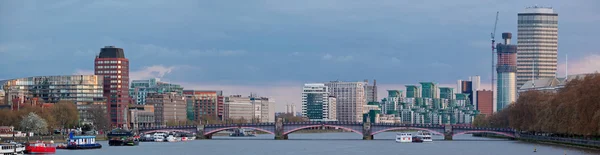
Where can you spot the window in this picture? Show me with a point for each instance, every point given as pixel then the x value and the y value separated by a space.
pixel 119 72
pixel 119 62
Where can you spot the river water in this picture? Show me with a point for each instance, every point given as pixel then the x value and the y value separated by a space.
pixel 334 144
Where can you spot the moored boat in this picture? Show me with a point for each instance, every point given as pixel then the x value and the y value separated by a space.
pixel 82 142
pixel 121 137
pixel 11 148
pixel 40 147
pixel 417 139
pixel 425 136
pixel 404 137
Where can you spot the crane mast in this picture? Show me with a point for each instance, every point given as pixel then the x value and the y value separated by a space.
pixel 493 36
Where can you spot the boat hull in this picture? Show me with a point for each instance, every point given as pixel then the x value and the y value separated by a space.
pixel 40 150
pixel 83 147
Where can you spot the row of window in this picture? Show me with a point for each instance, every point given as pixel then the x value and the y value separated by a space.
pixel 108 72
pixel 111 66
pixel 111 62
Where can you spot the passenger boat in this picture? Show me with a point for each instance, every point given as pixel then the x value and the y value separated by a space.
pixel 40 147
pixel 121 137
pixel 172 138
pixel 82 142
pixel 425 136
pixel 159 137
pixel 241 133
pixel 404 137
pixel 11 148
pixel 417 139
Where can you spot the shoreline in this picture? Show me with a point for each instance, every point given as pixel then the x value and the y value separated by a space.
pixel 547 142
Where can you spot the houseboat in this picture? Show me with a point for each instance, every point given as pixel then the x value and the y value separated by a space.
pixel 11 148
pixel 82 142
pixel 404 137
pixel 40 147
pixel 121 137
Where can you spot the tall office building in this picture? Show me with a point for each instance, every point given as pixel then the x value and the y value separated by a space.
pixel 350 98
pixel 114 67
pixel 537 42
pixel 371 91
pixel 430 90
pixel 506 68
pixel 315 102
pixel 475 86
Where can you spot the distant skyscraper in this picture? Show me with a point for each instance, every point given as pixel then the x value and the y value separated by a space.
pixel 114 67
pixel 475 85
pixel 486 106
pixel 371 91
pixel 350 98
pixel 430 90
pixel 537 42
pixel 316 102
pixel 506 68
pixel 291 109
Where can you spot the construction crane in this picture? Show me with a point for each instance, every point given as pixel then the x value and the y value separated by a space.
pixel 493 36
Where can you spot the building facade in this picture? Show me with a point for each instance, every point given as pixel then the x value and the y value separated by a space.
pixel 315 102
pixel 506 90
pixel 371 91
pixel 112 65
pixel 169 108
pixel 141 116
pixel 83 90
pixel 207 104
pixel 290 109
pixel 140 89
pixel 485 101
pixel 350 98
pixel 262 109
pixel 537 42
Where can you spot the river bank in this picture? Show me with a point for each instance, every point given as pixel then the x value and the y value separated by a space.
pixel 55 138
pixel 571 142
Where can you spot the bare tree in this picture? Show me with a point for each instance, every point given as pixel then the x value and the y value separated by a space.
pixel 65 113
pixel 99 117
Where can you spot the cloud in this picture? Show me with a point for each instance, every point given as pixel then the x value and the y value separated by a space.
pixel 151 49
pixel 83 72
pixel 588 64
pixel 156 71
pixel 338 58
pixel 327 56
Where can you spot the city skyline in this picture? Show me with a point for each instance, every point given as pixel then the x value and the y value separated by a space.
pixel 277 44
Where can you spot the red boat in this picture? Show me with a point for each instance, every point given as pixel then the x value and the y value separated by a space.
pixel 40 147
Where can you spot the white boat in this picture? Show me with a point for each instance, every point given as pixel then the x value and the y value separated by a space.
pixel 425 136
pixel 404 137
pixel 12 148
pixel 159 137
pixel 172 138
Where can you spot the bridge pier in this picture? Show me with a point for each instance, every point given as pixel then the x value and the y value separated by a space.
pixel 448 133
pixel 367 130
pixel 367 137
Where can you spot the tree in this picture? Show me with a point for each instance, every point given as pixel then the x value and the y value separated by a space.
pixel 34 123
pixel 66 114
pixel 99 117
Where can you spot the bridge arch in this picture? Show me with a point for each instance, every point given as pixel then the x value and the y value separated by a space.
pixel 167 130
pixel 484 131
pixel 325 125
pixel 408 128
pixel 235 127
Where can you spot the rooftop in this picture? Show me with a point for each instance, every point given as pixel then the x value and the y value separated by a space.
pixel 538 9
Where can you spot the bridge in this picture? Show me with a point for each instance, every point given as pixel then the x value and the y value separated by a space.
pixel 281 130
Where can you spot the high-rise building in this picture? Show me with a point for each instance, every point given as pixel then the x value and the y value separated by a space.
pixel 371 91
pixel 83 90
pixel 290 109
pixel 475 86
pixel 412 91
pixel 350 97
pixel 112 65
pixel 315 102
pixel 169 108
pixel 484 99
pixel 140 89
pixel 204 104
pixel 537 41
pixel 391 106
pixel 507 67
pixel 429 90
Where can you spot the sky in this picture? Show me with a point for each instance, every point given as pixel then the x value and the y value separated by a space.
pixel 272 47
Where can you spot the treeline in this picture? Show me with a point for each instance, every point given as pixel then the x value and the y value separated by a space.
pixel 574 110
pixel 60 115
